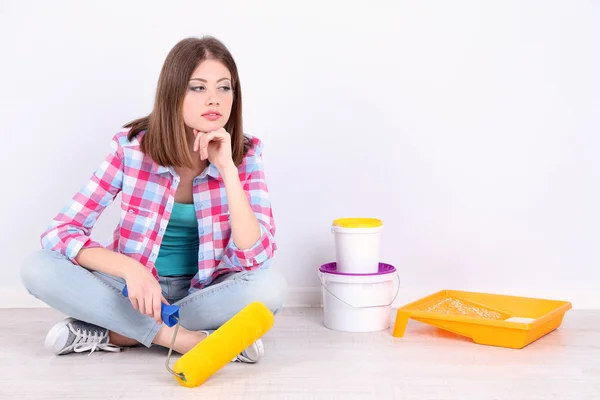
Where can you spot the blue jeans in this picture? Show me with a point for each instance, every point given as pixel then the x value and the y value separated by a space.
pixel 96 297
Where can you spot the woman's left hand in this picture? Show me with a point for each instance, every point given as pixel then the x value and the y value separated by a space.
pixel 215 147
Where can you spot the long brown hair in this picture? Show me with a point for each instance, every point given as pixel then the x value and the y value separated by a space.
pixel 165 137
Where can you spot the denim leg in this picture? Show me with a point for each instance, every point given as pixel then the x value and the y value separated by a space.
pixel 92 297
pixel 210 307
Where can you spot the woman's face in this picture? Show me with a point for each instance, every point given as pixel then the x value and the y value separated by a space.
pixel 209 97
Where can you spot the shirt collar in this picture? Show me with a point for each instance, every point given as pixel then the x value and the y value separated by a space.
pixel 159 169
pixel 211 170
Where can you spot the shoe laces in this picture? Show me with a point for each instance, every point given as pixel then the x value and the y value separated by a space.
pixel 91 341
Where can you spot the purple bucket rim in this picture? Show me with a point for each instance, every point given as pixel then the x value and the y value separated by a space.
pixel 331 268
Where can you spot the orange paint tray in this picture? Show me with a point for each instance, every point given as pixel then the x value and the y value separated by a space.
pixel 489 319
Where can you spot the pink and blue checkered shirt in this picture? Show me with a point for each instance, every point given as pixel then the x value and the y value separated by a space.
pixel 147 196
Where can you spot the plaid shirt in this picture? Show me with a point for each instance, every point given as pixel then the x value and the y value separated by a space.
pixel 147 196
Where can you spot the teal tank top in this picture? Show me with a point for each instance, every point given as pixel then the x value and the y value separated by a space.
pixel 178 253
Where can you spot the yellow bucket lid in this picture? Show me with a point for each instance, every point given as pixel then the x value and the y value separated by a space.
pixel 358 222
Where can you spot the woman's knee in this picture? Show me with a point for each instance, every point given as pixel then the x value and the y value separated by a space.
pixel 270 288
pixel 36 269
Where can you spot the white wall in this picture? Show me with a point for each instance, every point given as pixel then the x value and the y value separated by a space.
pixel 472 127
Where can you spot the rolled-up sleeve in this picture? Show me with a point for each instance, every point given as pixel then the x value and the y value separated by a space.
pixel 70 230
pixel 257 192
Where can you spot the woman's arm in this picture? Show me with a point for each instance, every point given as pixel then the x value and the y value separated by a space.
pixel 145 293
pixel 71 228
pixel 107 261
pixel 245 230
pixel 252 239
pixel 69 234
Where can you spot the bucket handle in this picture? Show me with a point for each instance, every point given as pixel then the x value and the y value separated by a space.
pixel 350 305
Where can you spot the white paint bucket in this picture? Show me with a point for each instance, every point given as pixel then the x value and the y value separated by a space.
pixel 357 244
pixel 357 303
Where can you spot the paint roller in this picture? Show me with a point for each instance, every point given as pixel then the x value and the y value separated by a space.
pixel 210 355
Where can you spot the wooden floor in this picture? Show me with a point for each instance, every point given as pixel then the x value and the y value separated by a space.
pixel 305 360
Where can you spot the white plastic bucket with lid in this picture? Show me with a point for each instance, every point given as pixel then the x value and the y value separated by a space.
pixel 358 303
pixel 357 242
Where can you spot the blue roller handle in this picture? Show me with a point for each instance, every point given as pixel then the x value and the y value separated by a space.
pixel 168 313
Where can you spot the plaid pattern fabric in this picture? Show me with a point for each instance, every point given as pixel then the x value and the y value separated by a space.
pixel 147 196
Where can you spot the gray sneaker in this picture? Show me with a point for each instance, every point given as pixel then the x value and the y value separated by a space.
pixel 71 335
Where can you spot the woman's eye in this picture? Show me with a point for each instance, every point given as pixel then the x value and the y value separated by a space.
pixel 197 88
pixel 225 88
